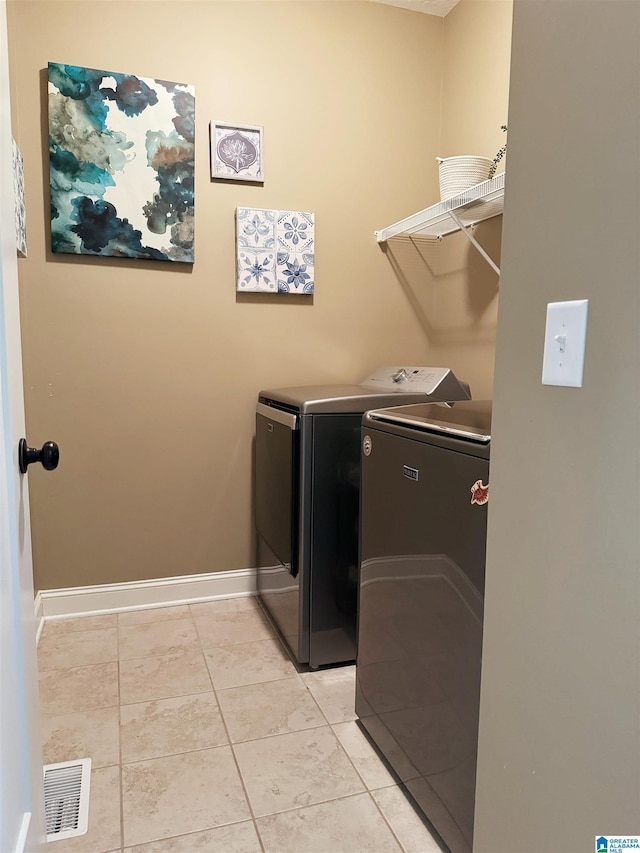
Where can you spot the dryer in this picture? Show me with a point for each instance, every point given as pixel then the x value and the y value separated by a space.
pixel 307 494
pixel 425 491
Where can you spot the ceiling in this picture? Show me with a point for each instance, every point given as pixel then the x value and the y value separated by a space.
pixel 430 7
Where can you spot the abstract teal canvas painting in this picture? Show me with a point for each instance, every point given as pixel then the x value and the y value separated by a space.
pixel 121 155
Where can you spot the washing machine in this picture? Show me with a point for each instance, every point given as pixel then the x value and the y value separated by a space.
pixel 425 492
pixel 307 491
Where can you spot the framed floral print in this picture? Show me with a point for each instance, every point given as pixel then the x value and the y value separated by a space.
pixel 237 152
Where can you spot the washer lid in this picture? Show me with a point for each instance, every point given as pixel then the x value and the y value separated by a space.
pixel 468 419
pixel 386 386
pixel 337 399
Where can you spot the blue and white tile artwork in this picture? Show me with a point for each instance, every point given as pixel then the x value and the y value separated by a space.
pixel 121 154
pixel 257 271
pixel 295 272
pixel 295 231
pixel 291 234
pixel 256 229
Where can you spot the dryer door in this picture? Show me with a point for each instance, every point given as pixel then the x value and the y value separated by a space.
pixel 277 452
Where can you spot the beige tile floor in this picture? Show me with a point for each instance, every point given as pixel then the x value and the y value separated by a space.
pixel 204 737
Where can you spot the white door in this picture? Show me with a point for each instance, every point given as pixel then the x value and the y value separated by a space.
pixel 21 789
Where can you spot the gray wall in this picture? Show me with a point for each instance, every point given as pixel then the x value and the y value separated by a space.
pixel 559 754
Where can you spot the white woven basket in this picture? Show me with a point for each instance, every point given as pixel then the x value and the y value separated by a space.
pixel 457 174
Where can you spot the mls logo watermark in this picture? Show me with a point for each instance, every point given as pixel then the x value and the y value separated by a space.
pixel 616 843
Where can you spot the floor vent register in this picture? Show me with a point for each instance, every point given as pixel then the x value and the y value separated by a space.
pixel 66 798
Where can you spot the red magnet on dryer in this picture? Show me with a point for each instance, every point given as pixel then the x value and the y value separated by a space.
pixel 479 493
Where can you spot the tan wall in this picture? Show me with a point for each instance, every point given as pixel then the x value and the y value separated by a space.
pixel 475 97
pixel 451 282
pixel 559 751
pixel 147 374
pixel 475 88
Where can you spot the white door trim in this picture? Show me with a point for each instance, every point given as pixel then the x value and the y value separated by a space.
pixel 22 821
pixel 24 832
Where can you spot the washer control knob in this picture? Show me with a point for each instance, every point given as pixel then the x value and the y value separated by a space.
pixel 400 376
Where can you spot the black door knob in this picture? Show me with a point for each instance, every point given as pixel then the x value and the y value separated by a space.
pixel 48 455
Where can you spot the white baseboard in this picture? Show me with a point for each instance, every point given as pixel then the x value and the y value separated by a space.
pixel 141 595
pixel 37 603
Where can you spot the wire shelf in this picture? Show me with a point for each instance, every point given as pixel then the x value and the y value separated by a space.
pixel 474 205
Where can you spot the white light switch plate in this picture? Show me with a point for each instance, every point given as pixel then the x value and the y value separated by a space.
pixel 564 343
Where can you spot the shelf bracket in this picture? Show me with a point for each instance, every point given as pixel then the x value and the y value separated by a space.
pixel 467 233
